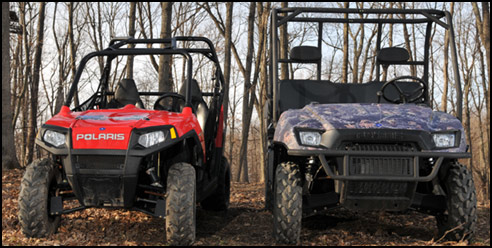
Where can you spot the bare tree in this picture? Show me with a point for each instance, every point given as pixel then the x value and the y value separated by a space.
pixel 26 80
pixel 482 23
pixel 408 46
pixel 358 39
pixel 284 47
pixel 345 47
pixel 390 42
pixel 165 76
pixel 248 97
pixel 225 29
pixel 227 33
pixel 62 59
pixel 9 158
pixel 131 33
pixel 35 83
pixel 483 26
pixel 94 19
pixel 366 55
pixel 145 10
pixel 444 99
pixel 72 45
pixel 263 13
pixel 233 103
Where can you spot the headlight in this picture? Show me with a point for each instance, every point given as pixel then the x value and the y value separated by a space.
pixel 444 139
pixel 54 138
pixel 309 138
pixel 152 138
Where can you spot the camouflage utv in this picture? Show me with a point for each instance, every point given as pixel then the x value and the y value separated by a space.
pixel 370 146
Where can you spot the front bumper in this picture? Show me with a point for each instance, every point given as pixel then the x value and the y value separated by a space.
pixel 377 180
pixel 105 177
pixel 108 179
pixel 415 156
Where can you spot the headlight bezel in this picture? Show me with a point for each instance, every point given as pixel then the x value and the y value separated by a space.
pixel 54 138
pixel 304 133
pixel 152 138
pixel 453 138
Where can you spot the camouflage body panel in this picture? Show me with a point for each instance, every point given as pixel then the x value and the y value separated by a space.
pixel 365 116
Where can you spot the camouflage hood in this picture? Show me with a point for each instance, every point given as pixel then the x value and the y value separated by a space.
pixel 363 116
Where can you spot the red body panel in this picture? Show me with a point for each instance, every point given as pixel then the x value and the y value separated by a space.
pixel 111 128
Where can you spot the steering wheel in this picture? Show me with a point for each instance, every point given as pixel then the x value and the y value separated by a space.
pixel 173 104
pixel 404 97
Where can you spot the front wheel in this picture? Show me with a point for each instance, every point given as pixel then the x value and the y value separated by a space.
pixel 37 187
pixel 459 219
pixel 180 204
pixel 287 209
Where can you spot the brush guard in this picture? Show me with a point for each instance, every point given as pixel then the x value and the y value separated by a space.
pixel 377 180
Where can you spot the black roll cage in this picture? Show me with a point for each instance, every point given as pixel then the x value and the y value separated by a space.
pixel 281 16
pixel 115 50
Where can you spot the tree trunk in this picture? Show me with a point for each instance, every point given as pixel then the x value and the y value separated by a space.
pixel 18 94
pixel 62 68
pixel 248 97
pixel 345 47
pixel 72 49
pixel 408 46
pixel 390 43
pixel 284 47
pixel 227 66
pixel 357 50
pixel 26 82
pixel 9 157
pixel 483 26
pixel 263 84
pixel 141 12
pixel 35 83
pixel 165 70
pixel 444 99
pixel 366 55
pixel 131 33
pixel 232 125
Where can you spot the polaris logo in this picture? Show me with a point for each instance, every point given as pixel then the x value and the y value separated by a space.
pixel 101 136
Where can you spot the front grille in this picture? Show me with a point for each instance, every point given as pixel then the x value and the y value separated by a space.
pixel 101 162
pixel 403 147
pixel 381 166
pixel 373 195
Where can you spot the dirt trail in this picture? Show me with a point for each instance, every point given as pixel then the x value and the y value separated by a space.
pixel 246 223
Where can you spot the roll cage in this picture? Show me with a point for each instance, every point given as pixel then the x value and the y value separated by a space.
pixel 115 49
pixel 282 16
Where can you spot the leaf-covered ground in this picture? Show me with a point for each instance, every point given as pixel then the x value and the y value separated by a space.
pixel 246 223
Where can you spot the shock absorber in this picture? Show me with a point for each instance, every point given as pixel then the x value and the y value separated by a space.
pixel 154 177
pixel 308 175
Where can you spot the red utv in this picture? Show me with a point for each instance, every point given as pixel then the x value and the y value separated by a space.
pixel 112 151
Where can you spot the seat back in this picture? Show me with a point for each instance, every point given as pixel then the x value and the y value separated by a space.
pixel 126 93
pixel 305 54
pixel 391 55
pixel 199 105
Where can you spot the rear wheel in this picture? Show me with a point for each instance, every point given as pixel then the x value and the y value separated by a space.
pixel 37 187
pixel 287 208
pixel 180 204
pixel 219 200
pixel 459 219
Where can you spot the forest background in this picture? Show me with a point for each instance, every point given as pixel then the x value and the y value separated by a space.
pixel 47 40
